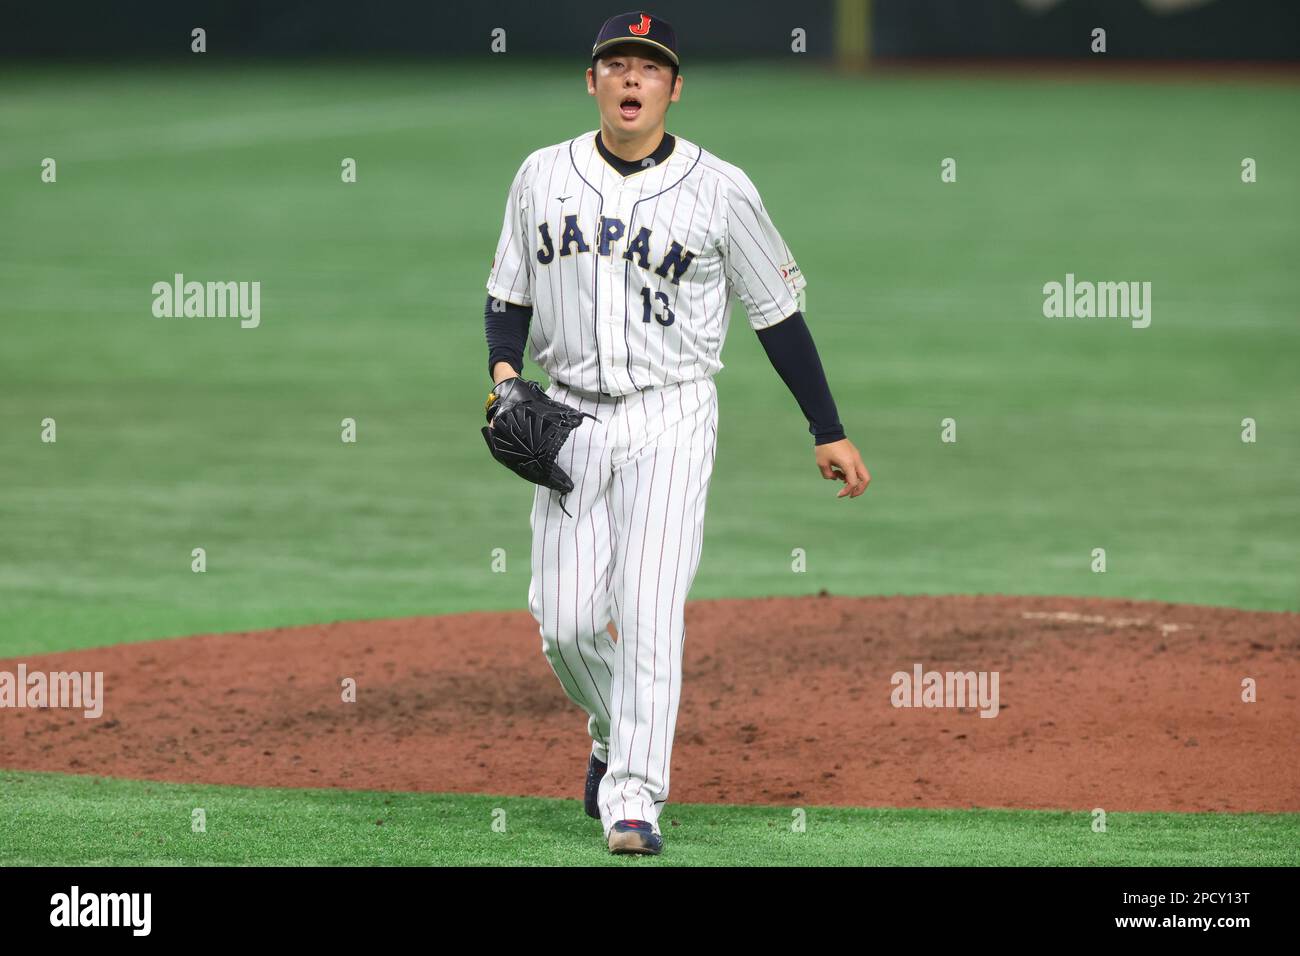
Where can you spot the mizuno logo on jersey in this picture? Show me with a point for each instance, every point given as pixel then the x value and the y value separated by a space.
pixel 609 231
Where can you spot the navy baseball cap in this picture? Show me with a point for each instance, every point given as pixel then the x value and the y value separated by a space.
pixel 638 28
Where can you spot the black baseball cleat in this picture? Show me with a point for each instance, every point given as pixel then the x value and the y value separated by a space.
pixel 595 771
pixel 635 836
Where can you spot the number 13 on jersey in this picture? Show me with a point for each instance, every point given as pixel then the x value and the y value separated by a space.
pixel 666 317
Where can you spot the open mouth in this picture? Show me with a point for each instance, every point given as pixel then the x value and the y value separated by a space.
pixel 630 107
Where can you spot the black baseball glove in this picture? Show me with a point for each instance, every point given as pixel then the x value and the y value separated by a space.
pixel 528 429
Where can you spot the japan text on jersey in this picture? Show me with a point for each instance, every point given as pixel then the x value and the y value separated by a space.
pixel 631 277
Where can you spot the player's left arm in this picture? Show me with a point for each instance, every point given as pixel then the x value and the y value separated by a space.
pixel 792 352
pixel 768 280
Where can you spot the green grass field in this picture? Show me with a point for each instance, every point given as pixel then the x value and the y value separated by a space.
pixel 66 820
pixel 925 299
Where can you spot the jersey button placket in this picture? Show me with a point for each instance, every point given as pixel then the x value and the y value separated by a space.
pixel 604 330
pixel 612 313
pixel 610 282
pixel 618 301
pixel 610 310
pixel 612 265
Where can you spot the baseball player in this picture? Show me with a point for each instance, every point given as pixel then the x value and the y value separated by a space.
pixel 619 255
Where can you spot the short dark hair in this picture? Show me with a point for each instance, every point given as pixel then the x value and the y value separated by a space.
pixel 635 49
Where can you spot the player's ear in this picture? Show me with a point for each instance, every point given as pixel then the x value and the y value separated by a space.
pixel 677 90
pixel 591 82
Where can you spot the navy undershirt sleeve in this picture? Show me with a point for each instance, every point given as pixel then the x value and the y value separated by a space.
pixel 789 346
pixel 507 332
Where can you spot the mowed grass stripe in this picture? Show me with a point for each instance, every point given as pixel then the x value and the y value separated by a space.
pixel 56 819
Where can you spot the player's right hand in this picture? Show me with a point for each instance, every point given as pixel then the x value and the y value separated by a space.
pixel 500 372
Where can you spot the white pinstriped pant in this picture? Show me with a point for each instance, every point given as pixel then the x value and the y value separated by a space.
pixel 628 554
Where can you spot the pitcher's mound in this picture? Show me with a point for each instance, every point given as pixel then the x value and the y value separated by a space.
pixel 1123 705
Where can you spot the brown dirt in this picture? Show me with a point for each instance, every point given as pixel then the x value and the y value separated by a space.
pixel 1120 704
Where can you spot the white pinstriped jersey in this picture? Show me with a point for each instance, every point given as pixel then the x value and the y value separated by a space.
pixel 631 278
